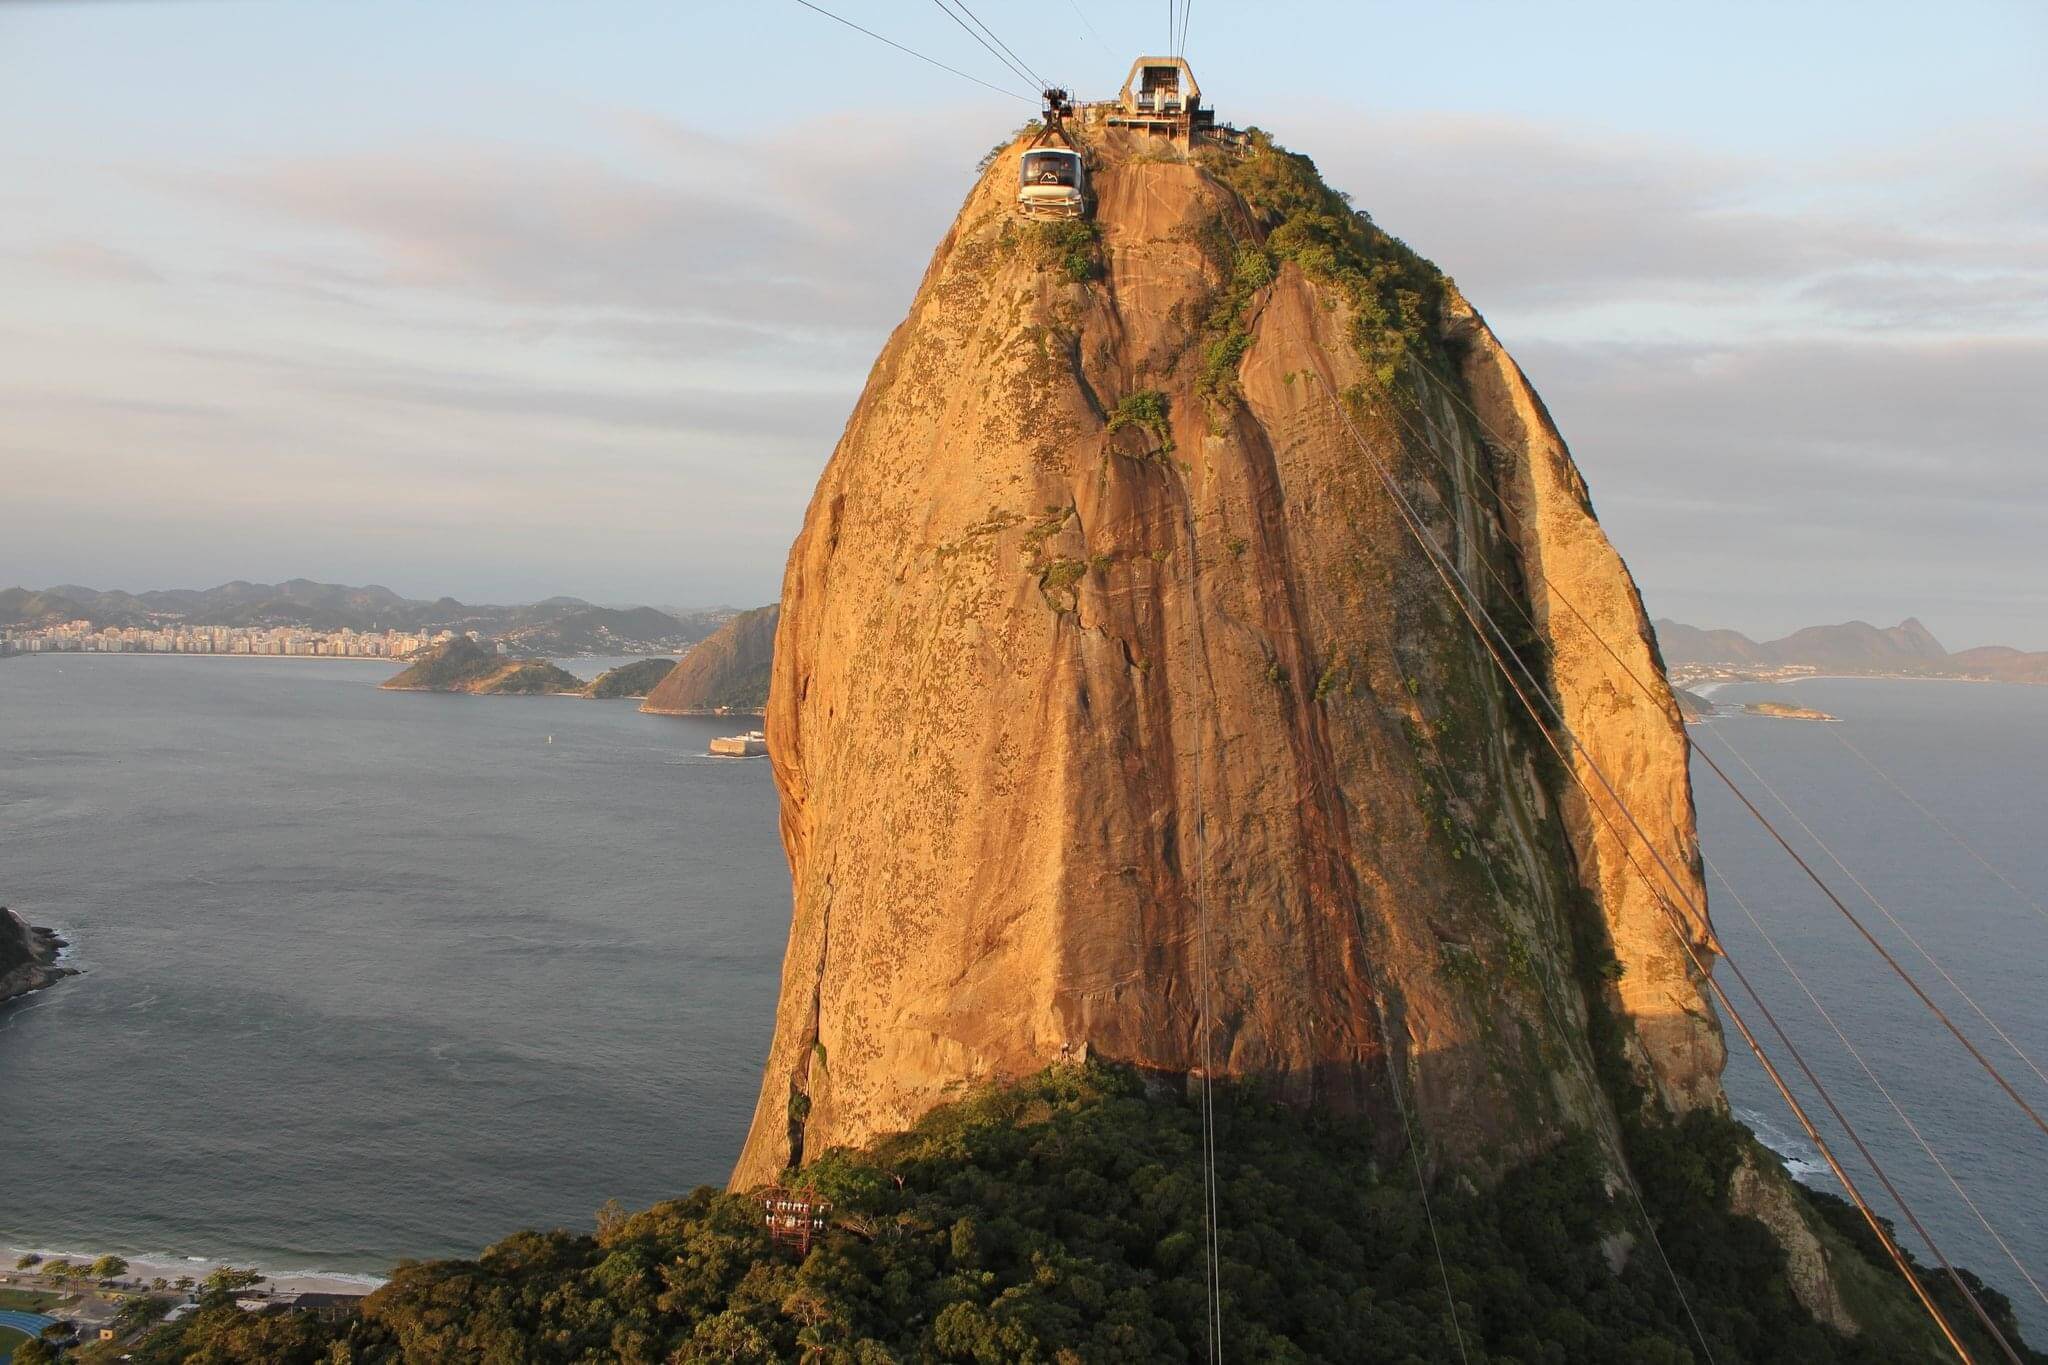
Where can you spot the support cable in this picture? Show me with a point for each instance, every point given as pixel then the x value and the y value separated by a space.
pixel 1075 5
pixel 1944 827
pixel 1212 1214
pixel 913 52
pixel 1883 909
pixel 1039 80
pixel 1857 1054
pixel 1628 1178
pixel 1015 69
pixel 1443 1270
pixel 1904 1208
pixel 1447 573
pixel 1394 1080
pixel 1706 757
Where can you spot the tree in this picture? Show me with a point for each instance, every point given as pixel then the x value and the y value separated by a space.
pixel 28 1262
pixel 225 1281
pixel 139 1312
pixel 108 1268
pixel 35 1353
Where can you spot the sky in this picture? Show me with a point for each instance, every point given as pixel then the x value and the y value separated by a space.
pixel 510 298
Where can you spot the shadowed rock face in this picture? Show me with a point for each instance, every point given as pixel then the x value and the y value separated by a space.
pixel 1078 723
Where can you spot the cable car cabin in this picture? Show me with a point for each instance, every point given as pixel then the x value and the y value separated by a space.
pixel 1052 182
pixel 1161 96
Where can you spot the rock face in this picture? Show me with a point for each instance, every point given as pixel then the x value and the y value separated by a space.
pixel 28 956
pixel 1116 710
pixel 728 669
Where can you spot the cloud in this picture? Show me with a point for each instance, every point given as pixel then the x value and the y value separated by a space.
pixel 1780 483
pixel 1554 222
pixel 674 231
pixel 87 260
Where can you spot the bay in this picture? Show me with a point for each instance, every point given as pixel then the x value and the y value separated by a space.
pixel 372 975
pixel 369 974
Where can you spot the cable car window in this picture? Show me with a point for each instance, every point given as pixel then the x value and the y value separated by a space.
pixel 1050 168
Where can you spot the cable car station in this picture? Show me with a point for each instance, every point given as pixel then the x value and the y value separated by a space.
pixel 1160 97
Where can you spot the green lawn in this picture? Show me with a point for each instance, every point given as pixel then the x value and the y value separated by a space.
pixel 30 1300
pixel 9 1339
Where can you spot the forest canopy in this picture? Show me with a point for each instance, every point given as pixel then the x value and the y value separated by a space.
pixel 1059 1220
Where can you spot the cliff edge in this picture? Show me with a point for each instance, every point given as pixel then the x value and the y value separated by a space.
pixel 1116 710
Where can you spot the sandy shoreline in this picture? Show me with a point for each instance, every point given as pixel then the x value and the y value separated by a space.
pixel 146 1267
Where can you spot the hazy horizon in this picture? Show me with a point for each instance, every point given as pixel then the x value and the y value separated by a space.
pixel 621 603
pixel 576 303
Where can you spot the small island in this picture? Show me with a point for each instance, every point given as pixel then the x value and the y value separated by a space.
pixel 1784 710
pixel 28 956
pixel 463 665
pixel 633 680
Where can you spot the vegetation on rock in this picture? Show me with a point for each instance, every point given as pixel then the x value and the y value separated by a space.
pixel 635 679
pixel 463 665
pixel 1060 1219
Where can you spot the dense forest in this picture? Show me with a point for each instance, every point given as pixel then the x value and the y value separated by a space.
pixel 1059 1220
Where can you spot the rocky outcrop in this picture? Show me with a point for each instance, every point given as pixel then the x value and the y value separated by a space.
pixel 28 956
pixel 633 680
pixel 1116 710
pixel 1629 773
pixel 463 665
pixel 728 671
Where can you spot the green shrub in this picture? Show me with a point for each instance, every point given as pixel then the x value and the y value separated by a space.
pixel 1061 1218
pixel 1145 409
pixel 1071 245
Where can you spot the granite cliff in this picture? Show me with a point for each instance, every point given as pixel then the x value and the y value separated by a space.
pixel 1116 713
pixel 729 668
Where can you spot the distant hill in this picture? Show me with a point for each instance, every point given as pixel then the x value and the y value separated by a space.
pixel 2004 663
pixel 1851 647
pixel 729 669
pixel 463 665
pixel 635 679
pixel 1691 705
pixel 558 625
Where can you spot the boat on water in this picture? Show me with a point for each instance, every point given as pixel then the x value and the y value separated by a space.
pixel 752 744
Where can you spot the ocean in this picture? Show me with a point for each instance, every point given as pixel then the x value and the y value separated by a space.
pixel 373 975
pixel 1972 755
pixel 370 974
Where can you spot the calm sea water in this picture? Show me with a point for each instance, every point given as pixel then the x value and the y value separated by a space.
pixel 369 974
pixel 1974 755
pixel 374 975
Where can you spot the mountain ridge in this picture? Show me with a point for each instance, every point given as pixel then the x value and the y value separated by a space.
pixel 555 625
pixel 1850 647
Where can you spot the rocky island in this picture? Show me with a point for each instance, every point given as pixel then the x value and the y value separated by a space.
pixel 28 956
pixel 630 681
pixel 463 665
pixel 1784 710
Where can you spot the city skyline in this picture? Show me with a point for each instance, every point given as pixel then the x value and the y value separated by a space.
pixel 545 317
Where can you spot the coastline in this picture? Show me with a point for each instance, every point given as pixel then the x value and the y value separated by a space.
pixel 177 654
pixel 145 1266
pixel 46 964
